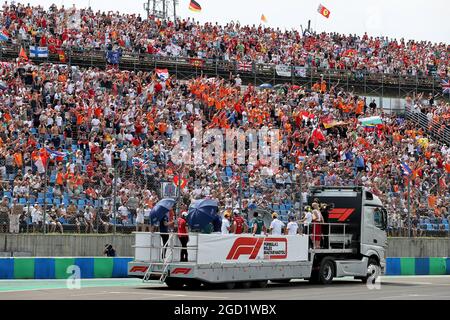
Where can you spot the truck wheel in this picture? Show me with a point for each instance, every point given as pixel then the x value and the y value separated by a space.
pixel 260 284
pixel 244 285
pixel 228 285
pixel 193 284
pixel 373 271
pixel 326 271
pixel 175 284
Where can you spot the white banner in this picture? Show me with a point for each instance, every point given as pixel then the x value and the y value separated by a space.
pixel 300 72
pixel 283 70
pixel 218 248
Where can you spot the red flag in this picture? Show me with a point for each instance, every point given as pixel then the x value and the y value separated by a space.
pixel 196 62
pixel 323 11
pixel 182 184
pixel 62 55
pixel 317 136
pixel 23 54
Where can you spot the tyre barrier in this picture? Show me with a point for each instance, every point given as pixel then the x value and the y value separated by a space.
pixel 62 268
pixel 417 266
pixel 100 267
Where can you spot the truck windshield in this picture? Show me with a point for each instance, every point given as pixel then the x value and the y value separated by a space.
pixel 380 218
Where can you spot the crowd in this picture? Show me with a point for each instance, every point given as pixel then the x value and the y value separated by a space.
pixel 88 148
pixel 64 130
pixel 85 29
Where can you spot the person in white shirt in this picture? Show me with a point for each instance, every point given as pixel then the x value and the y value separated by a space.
pixel 226 225
pixel 123 210
pixel 140 219
pixel 307 219
pixel 276 226
pixel 292 227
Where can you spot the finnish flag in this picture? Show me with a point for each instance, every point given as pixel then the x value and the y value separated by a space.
pixel 38 52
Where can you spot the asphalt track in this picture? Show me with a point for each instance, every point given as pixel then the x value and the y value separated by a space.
pixel 390 288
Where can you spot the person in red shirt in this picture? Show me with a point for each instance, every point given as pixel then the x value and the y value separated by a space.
pixel 239 224
pixel 183 235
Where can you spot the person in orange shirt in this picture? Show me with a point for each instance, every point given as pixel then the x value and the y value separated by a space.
pixel 323 86
pixel 59 178
pixel 162 127
pixel 432 201
pixel 360 107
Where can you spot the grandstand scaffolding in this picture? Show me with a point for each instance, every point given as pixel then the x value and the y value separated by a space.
pixel 161 9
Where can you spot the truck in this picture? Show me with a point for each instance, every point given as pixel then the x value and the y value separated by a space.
pixel 353 244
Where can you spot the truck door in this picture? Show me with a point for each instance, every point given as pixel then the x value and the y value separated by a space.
pixel 373 230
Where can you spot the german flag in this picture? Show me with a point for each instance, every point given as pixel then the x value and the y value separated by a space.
pixel 194 6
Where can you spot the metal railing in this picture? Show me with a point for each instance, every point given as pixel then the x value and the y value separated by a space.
pixel 259 73
pixel 436 130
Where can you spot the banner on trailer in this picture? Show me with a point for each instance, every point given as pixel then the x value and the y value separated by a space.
pixel 283 70
pixel 231 248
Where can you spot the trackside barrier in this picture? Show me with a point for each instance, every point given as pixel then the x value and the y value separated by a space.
pixel 93 267
pixel 56 268
pixel 417 266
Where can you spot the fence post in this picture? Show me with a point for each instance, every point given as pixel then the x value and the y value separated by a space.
pixel 114 199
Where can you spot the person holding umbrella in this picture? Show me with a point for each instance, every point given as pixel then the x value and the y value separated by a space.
pixel 183 235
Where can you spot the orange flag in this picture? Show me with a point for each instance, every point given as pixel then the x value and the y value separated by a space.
pixel 263 18
pixel 23 54
pixel 323 11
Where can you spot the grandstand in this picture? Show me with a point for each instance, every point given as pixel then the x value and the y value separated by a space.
pixel 81 136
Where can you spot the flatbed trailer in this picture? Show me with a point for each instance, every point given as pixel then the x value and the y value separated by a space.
pixel 352 248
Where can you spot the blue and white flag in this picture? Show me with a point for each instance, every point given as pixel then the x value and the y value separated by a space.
pixel 406 169
pixel 54 154
pixel 113 57
pixel 38 52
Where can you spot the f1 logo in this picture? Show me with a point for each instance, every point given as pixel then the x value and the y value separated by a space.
pixel 245 246
pixel 139 269
pixel 341 214
pixel 181 271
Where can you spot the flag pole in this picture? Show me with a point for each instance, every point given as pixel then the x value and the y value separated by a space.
pixel 45 197
pixel 409 207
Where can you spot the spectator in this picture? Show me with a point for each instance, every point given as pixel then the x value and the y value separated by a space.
pixel 4 215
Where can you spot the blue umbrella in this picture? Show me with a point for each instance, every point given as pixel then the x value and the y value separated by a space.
pixel 161 209
pixel 265 86
pixel 201 213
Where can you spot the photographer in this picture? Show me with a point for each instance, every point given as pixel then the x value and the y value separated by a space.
pixel 109 251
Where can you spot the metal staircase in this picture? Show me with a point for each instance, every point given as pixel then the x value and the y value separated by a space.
pixel 168 249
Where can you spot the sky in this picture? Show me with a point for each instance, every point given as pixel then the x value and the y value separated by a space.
pixel 411 19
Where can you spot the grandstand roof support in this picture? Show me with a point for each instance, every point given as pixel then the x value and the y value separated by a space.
pixel 162 9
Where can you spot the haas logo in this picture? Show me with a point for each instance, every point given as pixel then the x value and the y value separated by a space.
pixel 341 214
pixel 273 248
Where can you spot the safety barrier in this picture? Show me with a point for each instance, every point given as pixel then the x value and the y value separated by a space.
pixel 417 266
pixel 58 268
pixel 93 267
